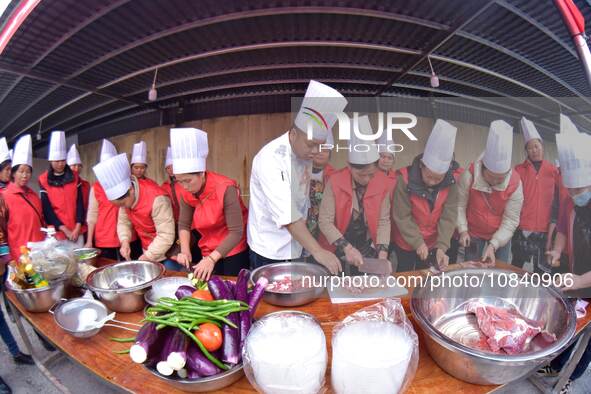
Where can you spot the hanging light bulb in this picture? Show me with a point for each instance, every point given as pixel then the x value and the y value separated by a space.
pixel 434 77
pixel 153 93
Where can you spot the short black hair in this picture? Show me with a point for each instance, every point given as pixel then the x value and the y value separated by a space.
pixel 363 166
pixel 5 164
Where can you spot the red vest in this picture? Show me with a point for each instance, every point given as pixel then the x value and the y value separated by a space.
pixel 63 200
pixel 342 187
pixel 85 193
pixel 209 218
pixel 538 193
pixel 105 231
pixel 482 221
pixel 141 215
pixel 24 219
pixel 426 219
pixel 180 192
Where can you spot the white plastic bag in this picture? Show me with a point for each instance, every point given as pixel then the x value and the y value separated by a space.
pixel 54 259
pixel 285 353
pixel 374 350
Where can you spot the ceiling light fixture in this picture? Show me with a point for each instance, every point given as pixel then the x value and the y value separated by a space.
pixel 434 77
pixel 153 93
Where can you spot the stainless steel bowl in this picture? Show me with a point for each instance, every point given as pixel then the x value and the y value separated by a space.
pixel 87 255
pixel 165 287
pixel 67 316
pixel 296 270
pixel 439 312
pixel 210 383
pixel 121 286
pixel 42 299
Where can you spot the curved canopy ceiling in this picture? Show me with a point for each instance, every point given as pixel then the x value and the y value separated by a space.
pixel 86 66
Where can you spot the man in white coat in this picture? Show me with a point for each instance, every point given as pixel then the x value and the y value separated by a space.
pixel 280 181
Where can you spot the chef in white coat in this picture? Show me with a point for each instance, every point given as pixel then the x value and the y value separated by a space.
pixel 280 181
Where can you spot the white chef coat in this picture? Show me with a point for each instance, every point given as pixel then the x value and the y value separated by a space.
pixel 279 188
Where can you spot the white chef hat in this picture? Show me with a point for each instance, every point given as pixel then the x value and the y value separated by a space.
pixel 499 147
pixel 140 153
pixel 362 152
pixel 23 151
pixel 318 110
pixel 529 130
pixel 11 153
pixel 384 142
pixel 168 161
pixel 4 152
pixel 189 150
pixel 73 156
pixel 57 146
pixel 114 175
pixel 575 161
pixel 567 126
pixel 108 150
pixel 439 150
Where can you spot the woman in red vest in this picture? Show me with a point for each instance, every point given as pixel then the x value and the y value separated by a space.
pixel 75 164
pixel 144 207
pixel 540 181
pixel 425 204
pixel 355 210
pixel 213 207
pixel 61 193
pixel 5 164
pixel 490 200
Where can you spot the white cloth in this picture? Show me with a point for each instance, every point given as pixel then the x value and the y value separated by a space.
pixel 140 153
pixel 108 150
pixel 529 130
pixel 318 110
pixel 114 175
pixel 11 153
pixel 439 150
pixel 189 150
pixel 567 126
pixel 499 147
pixel 23 151
pixel 4 152
pixel 73 156
pixel 168 161
pixel 279 188
pixel 575 161
pixel 57 146
pixel 362 151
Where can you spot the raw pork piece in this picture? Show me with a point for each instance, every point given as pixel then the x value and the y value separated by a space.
pixel 507 329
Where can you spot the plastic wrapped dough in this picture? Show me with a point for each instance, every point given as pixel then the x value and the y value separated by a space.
pixel 375 350
pixel 285 352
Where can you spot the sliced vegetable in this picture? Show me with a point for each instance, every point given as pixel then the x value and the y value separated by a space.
pixel 184 291
pixel 257 294
pixel 197 362
pixel 145 338
pixel 177 350
pixel 210 336
pixel 164 368
pixel 204 295
pixel 182 373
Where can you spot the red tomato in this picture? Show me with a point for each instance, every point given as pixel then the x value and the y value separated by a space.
pixel 210 336
pixel 204 295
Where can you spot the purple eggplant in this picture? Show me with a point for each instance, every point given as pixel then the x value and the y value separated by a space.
pixel 146 337
pixel 170 343
pixel 198 364
pixel 256 295
pixel 232 287
pixel 193 375
pixel 218 288
pixel 155 352
pixel 184 291
pixel 242 295
pixel 177 350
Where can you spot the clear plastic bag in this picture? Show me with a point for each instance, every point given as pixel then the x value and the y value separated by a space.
pixel 374 350
pixel 54 259
pixel 284 353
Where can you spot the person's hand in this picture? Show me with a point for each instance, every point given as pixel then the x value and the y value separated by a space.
pixel 553 257
pixel 575 281
pixel 204 268
pixel 125 250
pixel 465 239
pixel 549 244
pixel 423 252
pixel 66 231
pixel 353 256
pixel 88 243
pixel 143 257
pixel 442 259
pixel 488 258
pixel 184 259
pixel 75 233
pixel 328 260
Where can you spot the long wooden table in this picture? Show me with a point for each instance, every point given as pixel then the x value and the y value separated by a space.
pixel 96 353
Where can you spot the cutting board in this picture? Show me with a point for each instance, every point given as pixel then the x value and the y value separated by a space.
pixel 340 295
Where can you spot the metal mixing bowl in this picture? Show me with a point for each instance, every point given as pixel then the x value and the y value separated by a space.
pixel 67 315
pixel 210 383
pixel 296 270
pixel 87 255
pixel 439 312
pixel 42 299
pixel 121 286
